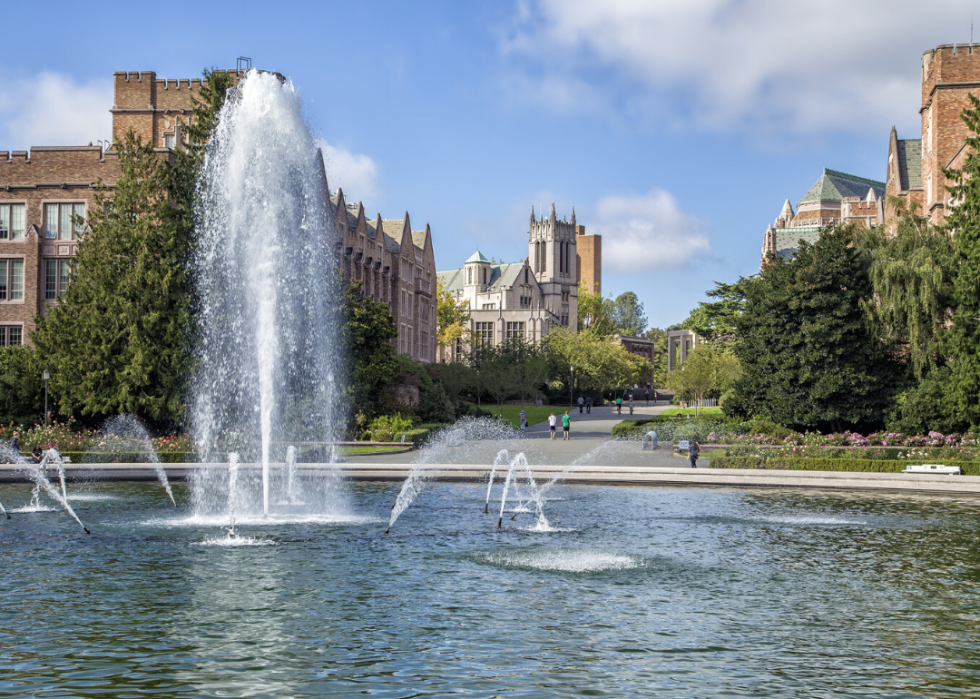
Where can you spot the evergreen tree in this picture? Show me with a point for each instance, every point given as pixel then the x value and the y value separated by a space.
pixel 963 223
pixel 809 358
pixel 628 314
pixel 118 339
pixel 367 335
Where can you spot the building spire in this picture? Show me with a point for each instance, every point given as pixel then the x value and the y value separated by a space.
pixel 532 213
pixel 573 216
pixel 554 216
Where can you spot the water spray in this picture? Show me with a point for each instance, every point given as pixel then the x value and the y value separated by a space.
pixel 502 457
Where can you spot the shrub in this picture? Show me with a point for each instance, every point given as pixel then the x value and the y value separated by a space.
pixel 722 459
pixel 384 427
pixel 435 406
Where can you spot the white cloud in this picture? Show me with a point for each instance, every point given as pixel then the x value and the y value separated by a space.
pixel 647 232
pixel 802 66
pixel 51 109
pixel 355 173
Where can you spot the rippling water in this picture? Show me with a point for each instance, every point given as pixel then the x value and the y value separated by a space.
pixel 638 592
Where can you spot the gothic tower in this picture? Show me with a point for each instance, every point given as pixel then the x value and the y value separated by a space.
pixel 551 254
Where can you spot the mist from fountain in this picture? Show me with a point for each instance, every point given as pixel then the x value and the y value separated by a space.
pixel 263 270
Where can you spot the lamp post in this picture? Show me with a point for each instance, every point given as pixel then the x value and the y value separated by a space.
pixel 571 386
pixel 47 377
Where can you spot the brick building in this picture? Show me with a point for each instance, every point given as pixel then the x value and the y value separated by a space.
pixel 42 191
pixel 640 346
pixel 588 260
pixel 915 166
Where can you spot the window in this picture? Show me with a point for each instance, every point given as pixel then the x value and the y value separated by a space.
pixel 526 270
pixel 525 302
pixel 469 276
pixel 12 218
pixel 56 274
pixel 404 302
pixel 408 308
pixel 484 333
pixel 489 307
pixel 424 346
pixel 484 276
pixel 515 330
pixel 168 140
pixel 11 280
pixel 409 348
pixel 10 335
pixel 58 220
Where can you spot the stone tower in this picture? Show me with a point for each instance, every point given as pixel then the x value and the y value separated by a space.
pixel 552 256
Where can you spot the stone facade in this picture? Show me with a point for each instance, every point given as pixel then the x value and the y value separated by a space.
pixel 397 267
pixel 41 192
pixel 524 299
pixel 679 344
pixel 915 167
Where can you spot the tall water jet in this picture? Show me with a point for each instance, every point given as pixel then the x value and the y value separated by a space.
pixel 4 511
pixel 264 272
pixel 503 495
pixel 232 489
pixel 291 474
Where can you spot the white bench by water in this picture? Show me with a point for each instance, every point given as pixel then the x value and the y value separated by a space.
pixel 934 468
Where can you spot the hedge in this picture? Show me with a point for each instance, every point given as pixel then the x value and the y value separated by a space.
pixel 419 435
pixel 719 459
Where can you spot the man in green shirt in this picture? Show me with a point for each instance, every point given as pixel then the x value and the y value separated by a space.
pixel 619 404
pixel 565 424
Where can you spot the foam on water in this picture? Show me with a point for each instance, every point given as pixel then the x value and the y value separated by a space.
pixel 563 560
pixel 234 541
pixel 808 520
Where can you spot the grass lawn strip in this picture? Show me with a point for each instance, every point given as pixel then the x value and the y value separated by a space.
pixel 702 412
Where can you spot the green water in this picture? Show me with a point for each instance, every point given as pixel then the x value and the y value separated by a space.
pixel 639 592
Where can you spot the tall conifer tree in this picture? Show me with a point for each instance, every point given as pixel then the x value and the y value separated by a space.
pixel 963 222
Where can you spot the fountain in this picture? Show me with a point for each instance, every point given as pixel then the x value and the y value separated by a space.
pixel 501 458
pixel 264 274
pixel 125 434
pixel 38 474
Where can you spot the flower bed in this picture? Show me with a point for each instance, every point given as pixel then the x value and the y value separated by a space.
pixel 776 461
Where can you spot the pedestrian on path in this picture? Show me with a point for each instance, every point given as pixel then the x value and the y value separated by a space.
pixel 619 405
pixel 693 450
pixel 552 423
pixel 588 405
pixel 566 423
pixel 581 404
pixel 655 399
pixel 631 404
pixel 523 417
pixel 646 394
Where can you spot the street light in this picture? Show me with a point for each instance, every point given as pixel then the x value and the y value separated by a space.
pixel 571 386
pixel 47 377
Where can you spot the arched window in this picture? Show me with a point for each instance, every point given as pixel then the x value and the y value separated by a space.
pixel 484 276
pixel 469 276
pixel 526 270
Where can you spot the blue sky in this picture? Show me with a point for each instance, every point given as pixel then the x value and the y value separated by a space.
pixel 675 128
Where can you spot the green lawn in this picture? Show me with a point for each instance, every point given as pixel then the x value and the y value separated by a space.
pixel 707 412
pixel 369 450
pixel 535 413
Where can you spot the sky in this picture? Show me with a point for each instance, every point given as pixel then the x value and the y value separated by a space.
pixel 676 128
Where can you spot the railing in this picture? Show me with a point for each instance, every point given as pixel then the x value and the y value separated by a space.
pixel 422 285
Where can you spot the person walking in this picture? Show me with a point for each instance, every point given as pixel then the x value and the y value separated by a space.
pixel 646 395
pixel 631 404
pixel 619 405
pixel 566 423
pixel 523 417
pixel 581 404
pixel 15 443
pixel 655 399
pixel 552 423
pixel 588 405
pixel 693 450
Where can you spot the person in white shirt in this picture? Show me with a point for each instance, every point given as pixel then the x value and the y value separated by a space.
pixel 523 417
pixel 553 423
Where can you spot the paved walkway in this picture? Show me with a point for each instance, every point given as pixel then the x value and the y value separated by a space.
pixel 589 442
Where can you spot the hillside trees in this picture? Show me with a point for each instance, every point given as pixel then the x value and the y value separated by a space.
pixel 710 368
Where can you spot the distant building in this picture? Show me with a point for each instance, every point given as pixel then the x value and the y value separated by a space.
pixel 835 197
pixel 640 346
pixel 680 343
pixel 588 263
pixel 522 299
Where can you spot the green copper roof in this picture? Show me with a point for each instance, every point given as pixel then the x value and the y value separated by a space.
pixel 910 164
pixel 477 257
pixel 834 186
